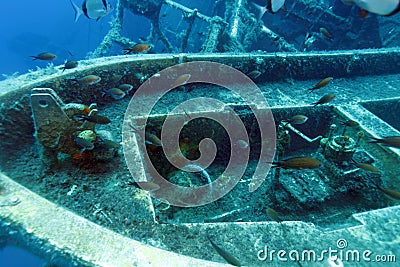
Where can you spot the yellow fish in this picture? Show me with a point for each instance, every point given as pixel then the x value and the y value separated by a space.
pixel 297 163
pixel 391 193
pixel 321 84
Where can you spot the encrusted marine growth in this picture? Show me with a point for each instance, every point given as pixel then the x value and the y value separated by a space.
pixel 67 128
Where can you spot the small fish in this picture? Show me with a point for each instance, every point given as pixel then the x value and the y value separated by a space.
pixel 152 139
pixel 69 65
pixel 391 193
pixel 325 33
pixel 44 56
pixel 116 78
pixel 92 9
pixel 242 144
pixel 297 119
pixel 254 74
pixel 182 80
pixel 321 84
pixel 297 163
pixel 366 166
pixel 379 7
pixel 224 254
pixel 273 214
pixel 138 48
pixel 115 93
pixel 349 123
pixel 84 144
pixel 89 79
pixel 125 87
pixel 107 144
pixel 393 141
pixel 94 118
pixel 147 186
pixel 325 99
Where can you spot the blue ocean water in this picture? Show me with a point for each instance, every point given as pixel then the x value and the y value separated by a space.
pixel 11 256
pixel 33 27
pixel 39 26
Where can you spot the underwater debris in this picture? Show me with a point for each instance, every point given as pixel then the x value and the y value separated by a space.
pixel 392 141
pixel 309 39
pixel 72 190
pixel 224 254
pixel 44 56
pixel 225 216
pixel 139 48
pixel 297 163
pixel 89 79
pixel 325 99
pixel 321 84
pixel 99 210
pixel 58 131
pixel 69 65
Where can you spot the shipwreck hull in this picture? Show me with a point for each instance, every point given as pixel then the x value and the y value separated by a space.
pixel 53 228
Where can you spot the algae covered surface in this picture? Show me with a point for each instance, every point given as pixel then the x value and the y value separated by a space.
pixel 105 192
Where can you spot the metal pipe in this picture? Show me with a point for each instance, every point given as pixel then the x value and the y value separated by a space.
pixel 305 137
